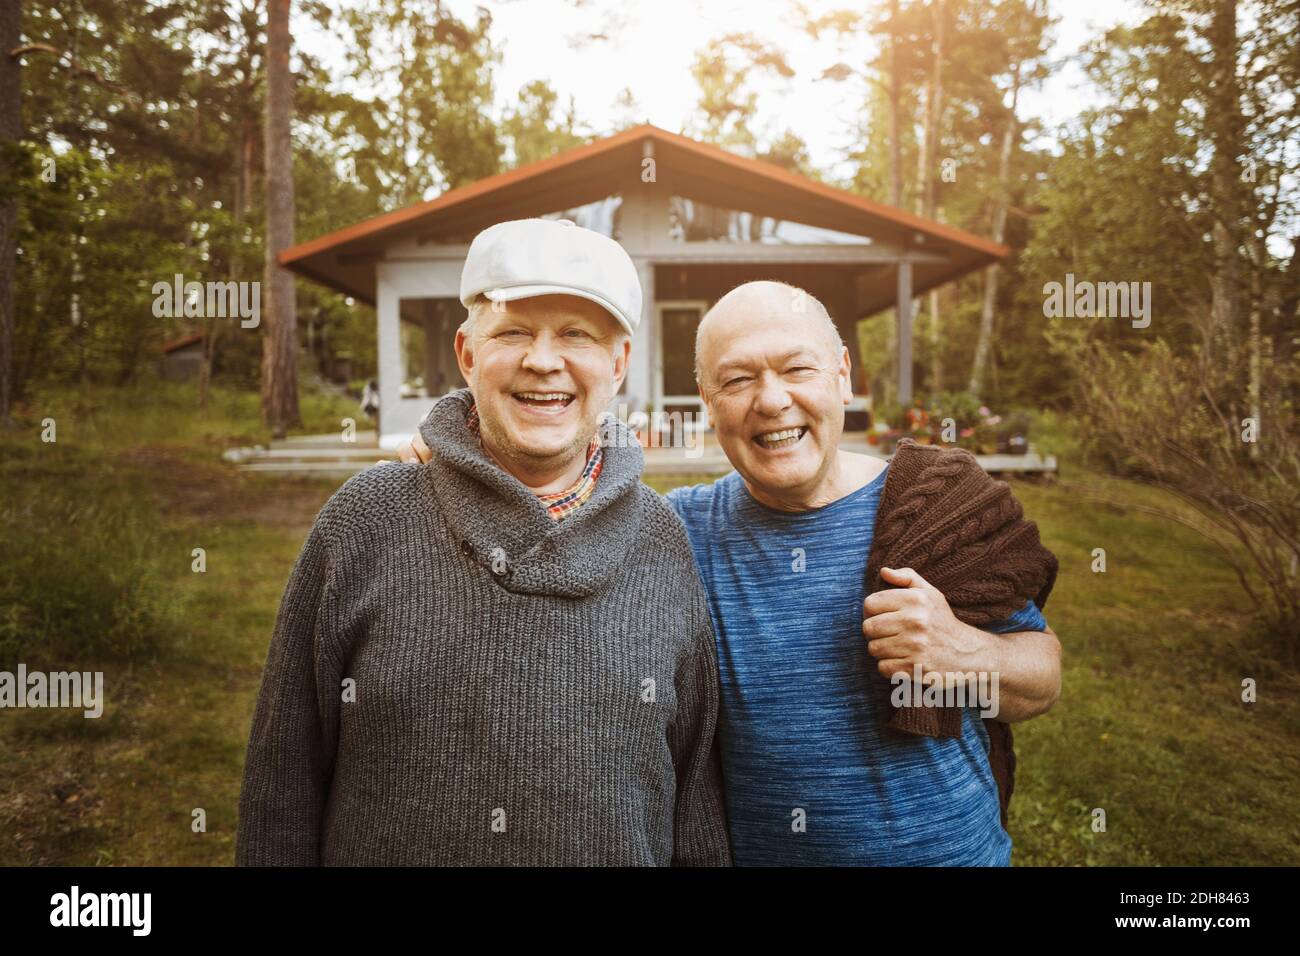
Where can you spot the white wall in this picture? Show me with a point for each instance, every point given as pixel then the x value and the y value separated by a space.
pixel 406 279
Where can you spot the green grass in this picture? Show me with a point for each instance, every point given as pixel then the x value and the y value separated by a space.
pixel 105 520
pixel 1150 726
pixel 154 413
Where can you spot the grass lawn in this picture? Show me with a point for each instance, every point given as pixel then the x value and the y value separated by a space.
pixel 96 574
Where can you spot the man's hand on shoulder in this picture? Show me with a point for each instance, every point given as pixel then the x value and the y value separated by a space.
pixel 414 451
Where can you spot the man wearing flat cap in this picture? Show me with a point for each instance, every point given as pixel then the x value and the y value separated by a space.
pixel 503 657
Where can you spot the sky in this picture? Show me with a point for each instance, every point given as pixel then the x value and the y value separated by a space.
pixel 651 48
pixel 652 44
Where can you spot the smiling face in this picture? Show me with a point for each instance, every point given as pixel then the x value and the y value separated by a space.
pixel 775 380
pixel 542 371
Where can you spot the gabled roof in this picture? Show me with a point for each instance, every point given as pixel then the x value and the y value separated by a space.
pixel 345 259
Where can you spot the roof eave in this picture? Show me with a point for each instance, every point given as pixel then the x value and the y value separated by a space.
pixel 374 227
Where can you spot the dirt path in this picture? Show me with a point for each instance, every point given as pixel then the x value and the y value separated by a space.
pixel 189 489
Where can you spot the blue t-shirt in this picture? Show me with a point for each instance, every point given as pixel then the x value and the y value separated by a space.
pixel 813 776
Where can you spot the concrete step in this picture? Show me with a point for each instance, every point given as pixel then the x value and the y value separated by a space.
pixel 329 439
pixel 342 469
pixel 323 453
pixel 334 458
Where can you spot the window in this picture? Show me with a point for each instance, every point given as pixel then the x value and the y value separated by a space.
pixel 694 221
pixel 600 216
pixel 429 367
pixel 678 323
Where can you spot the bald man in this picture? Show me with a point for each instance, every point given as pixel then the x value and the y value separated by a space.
pixel 814 773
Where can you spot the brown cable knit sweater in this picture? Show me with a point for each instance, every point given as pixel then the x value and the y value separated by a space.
pixel 964 532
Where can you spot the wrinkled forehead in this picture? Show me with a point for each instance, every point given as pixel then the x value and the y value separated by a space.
pixel 553 308
pixel 760 334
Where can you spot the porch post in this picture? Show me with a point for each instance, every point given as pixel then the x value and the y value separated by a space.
pixel 640 374
pixel 389 340
pixel 904 312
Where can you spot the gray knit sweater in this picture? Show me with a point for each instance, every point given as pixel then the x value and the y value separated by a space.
pixel 456 678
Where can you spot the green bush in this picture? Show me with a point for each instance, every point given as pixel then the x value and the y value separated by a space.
pixel 962 407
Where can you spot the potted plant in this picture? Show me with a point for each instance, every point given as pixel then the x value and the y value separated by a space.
pixel 1013 433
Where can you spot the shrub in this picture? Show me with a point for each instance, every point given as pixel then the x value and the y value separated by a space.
pixel 1181 422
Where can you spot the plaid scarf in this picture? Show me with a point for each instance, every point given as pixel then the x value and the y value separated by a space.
pixel 559 504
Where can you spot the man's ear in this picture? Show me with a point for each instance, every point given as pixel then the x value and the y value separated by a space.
pixel 622 355
pixel 464 354
pixel 846 376
pixel 708 408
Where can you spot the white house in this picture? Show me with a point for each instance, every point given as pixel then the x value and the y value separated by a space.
pixel 697 221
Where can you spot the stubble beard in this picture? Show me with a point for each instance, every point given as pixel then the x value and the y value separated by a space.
pixel 529 459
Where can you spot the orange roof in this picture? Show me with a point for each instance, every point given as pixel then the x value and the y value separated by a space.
pixel 169 347
pixel 345 259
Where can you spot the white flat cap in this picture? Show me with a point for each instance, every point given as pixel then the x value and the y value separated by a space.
pixel 529 257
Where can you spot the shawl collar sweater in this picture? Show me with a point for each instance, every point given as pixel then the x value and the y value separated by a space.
pixel 457 679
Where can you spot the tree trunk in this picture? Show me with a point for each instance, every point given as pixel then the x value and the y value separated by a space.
pixel 1226 122
pixel 895 144
pixel 936 344
pixel 280 341
pixel 933 112
pixel 235 265
pixel 1265 301
pixel 11 131
pixel 1254 367
pixel 244 159
pixel 985 341
pixel 895 176
pixel 930 151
